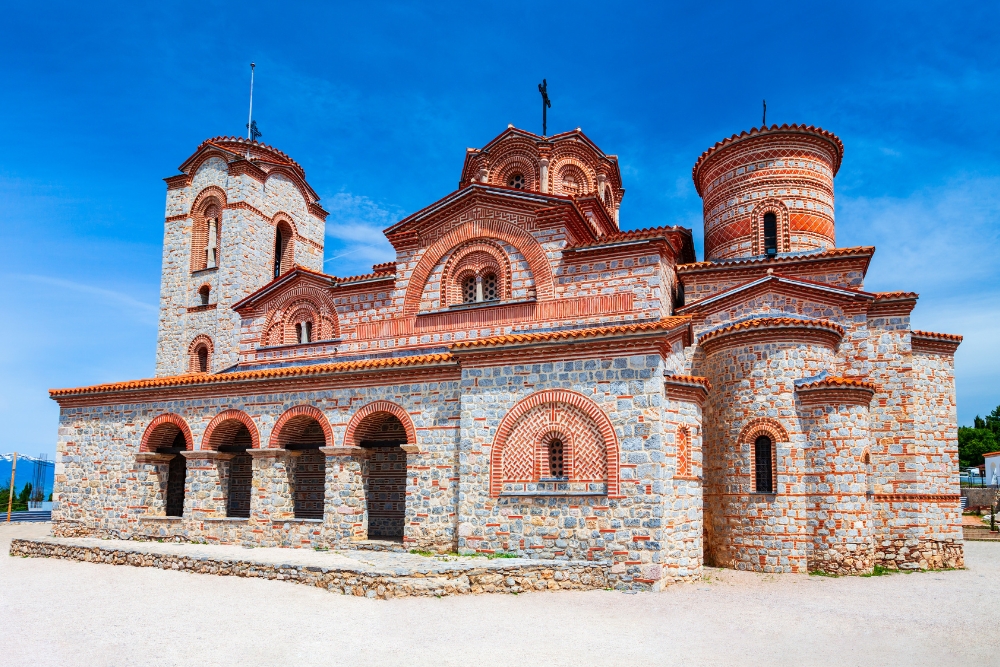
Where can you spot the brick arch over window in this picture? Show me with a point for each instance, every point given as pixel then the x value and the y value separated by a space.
pixel 588 435
pixel 296 423
pixel 356 428
pixel 279 326
pixel 224 427
pixel 780 211
pixel 200 342
pixel 211 199
pixel 283 253
pixel 509 165
pixel 570 168
pixel 163 431
pixel 475 258
pixel 754 428
pixel 497 230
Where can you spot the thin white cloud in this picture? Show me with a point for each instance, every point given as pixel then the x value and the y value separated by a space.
pixel 106 295
pixel 356 225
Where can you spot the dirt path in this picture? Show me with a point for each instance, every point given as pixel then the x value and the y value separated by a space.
pixel 55 612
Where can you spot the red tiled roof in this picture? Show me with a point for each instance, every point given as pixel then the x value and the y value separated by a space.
pixel 276 155
pixel 632 235
pixel 774 129
pixel 891 296
pixel 695 380
pixel 666 324
pixel 824 254
pixel 954 338
pixel 368 276
pixel 838 382
pixel 773 323
pixel 192 379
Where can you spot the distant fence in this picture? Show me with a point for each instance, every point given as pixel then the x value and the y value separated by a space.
pixel 978 497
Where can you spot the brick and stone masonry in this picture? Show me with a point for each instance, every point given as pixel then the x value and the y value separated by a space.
pixel 527 378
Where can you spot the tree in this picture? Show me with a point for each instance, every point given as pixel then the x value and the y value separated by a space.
pixel 983 437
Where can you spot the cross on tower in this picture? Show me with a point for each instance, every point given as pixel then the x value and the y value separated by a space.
pixel 543 88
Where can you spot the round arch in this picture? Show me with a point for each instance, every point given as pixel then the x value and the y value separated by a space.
pixel 225 425
pixel 755 428
pixel 567 397
pixel 294 421
pixel 373 408
pixel 162 431
pixel 497 230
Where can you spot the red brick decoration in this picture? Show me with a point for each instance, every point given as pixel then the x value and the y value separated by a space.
pixel 162 432
pixel 475 259
pixel 200 342
pixel 209 204
pixel 283 224
pixel 356 428
pixel 588 436
pixel 485 230
pixel 297 305
pixel 295 423
pixel 683 453
pixel 754 428
pixel 224 427
pixel 794 164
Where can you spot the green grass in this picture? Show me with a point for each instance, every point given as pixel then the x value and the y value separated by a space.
pixel 821 573
pixel 421 552
pixel 879 571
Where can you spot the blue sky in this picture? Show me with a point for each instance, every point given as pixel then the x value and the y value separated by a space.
pixel 99 102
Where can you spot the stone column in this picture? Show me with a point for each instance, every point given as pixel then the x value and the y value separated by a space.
pixel 346 504
pixel 271 499
pixel 205 484
pixel 150 495
pixel 601 182
pixel 543 171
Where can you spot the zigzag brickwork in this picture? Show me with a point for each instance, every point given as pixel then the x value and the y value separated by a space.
pixel 603 402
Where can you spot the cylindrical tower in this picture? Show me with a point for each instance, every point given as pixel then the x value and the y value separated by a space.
pixel 769 191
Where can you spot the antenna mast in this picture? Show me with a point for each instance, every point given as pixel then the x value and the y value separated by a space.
pixel 250 119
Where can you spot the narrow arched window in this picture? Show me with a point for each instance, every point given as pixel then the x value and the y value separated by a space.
pixel 490 292
pixel 763 464
pixel 298 332
pixel 557 466
pixel 770 234
pixel 203 293
pixel 279 249
pixel 202 359
pixel 469 290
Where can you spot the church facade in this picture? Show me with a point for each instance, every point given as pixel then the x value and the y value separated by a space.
pixel 527 378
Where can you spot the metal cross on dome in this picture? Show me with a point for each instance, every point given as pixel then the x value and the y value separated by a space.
pixel 543 88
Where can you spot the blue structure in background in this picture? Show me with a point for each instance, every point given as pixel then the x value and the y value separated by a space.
pixel 33 470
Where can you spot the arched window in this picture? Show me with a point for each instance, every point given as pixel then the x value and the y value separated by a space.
pixel 204 293
pixel 763 465
pixel 303 332
pixel 516 181
pixel 212 248
pixel 770 234
pixel 557 467
pixel 284 248
pixel 202 359
pixel 490 291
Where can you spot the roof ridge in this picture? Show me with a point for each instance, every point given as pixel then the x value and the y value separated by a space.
pixel 664 324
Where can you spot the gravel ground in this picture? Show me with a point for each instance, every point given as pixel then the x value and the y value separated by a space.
pixel 55 612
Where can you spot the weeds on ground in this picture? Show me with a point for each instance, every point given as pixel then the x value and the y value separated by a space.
pixel 455 554
pixel 321 548
pixel 879 571
pixel 422 552
pixel 821 573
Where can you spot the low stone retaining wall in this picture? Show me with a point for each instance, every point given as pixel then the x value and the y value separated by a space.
pixel 915 554
pixel 493 578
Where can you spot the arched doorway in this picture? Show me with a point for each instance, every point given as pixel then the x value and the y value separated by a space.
pixel 231 435
pixel 382 433
pixel 303 433
pixel 169 438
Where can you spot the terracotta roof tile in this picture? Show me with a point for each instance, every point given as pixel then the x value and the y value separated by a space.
pixel 689 379
pixel 192 379
pixel 762 131
pixel 824 254
pixel 666 324
pixel 891 296
pixel 633 235
pixel 837 382
pixel 368 276
pixel 954 338
pixel 772 323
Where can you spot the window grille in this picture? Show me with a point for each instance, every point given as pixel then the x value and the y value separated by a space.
pixel 469 290
pixel 516 181
pixel 763 465
pixel 556 467
pixel 490 288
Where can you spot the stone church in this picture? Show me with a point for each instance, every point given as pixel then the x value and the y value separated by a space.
pixel 528 378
